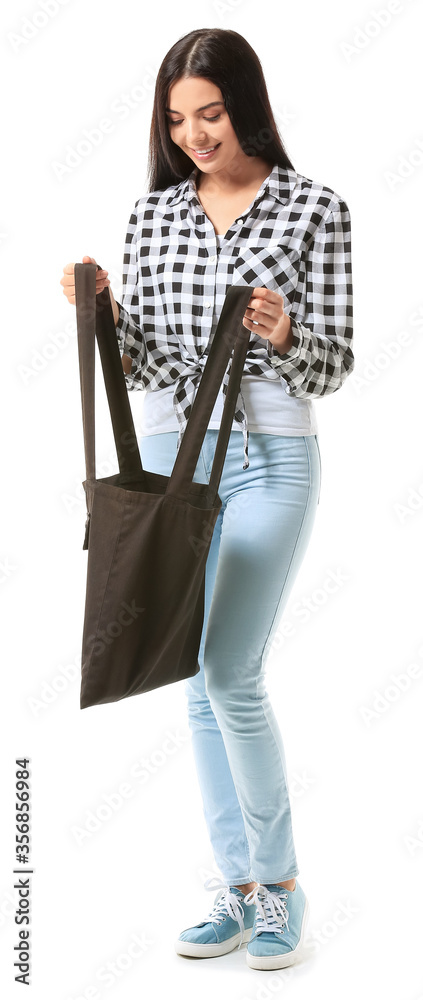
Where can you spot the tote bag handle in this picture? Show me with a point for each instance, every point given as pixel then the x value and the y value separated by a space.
pixel 95 320
pixel 230 335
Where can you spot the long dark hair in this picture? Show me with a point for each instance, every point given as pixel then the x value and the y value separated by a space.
pixel 227 59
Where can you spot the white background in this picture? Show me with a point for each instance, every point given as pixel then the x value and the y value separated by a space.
pixel 345 90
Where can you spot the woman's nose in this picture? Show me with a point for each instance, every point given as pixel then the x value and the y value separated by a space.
pixel 195 136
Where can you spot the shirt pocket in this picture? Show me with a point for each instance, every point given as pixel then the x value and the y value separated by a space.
pixel 273 266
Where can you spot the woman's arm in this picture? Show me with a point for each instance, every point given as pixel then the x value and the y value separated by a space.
pixel 126 359
pixel 321 357
pixel 126 313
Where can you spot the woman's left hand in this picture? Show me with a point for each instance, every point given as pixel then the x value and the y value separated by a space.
pixel 266 317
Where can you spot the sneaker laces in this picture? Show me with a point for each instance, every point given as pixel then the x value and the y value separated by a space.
pixel 271 913
pixel 228 903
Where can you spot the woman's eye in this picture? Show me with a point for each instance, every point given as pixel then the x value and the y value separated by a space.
pixel 214 119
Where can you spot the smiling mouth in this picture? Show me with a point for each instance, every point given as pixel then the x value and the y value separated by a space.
pixel 208 149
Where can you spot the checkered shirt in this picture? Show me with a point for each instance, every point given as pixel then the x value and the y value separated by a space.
pixel 294 238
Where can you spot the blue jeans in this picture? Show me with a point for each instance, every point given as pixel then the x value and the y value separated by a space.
pixel 259 541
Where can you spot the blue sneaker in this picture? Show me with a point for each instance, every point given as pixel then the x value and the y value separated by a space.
pixel 228 924
pixel 279 926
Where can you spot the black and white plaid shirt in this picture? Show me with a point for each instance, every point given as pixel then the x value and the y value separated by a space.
pixel 294 238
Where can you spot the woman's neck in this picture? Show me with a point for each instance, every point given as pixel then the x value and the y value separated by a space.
pixel 227 183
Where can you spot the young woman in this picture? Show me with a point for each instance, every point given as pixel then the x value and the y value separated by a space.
pixel 225 206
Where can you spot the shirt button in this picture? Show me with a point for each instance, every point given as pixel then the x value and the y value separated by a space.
pixel 239 222
pixel 212 260
pixel 208 304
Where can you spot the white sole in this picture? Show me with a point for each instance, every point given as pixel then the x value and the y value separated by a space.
pixel 280 961
pixel 194 950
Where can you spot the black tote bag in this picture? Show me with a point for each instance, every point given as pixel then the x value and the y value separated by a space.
pixel 148 535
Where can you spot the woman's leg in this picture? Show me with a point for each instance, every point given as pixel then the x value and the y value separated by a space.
pixel 221 808
pixel 258 544
pixel 269 511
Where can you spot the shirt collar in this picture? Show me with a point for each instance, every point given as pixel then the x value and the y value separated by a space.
pixel 279 184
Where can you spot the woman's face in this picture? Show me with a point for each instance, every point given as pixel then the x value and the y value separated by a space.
pixel 195 127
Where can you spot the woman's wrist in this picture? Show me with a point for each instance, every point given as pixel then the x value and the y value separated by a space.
pixel 282 342
pixel 115 307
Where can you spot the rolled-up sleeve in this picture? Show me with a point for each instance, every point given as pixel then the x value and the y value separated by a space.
pixel 129 328
pixel 321 357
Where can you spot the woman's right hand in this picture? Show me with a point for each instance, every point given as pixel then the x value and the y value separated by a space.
pixel 68 280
